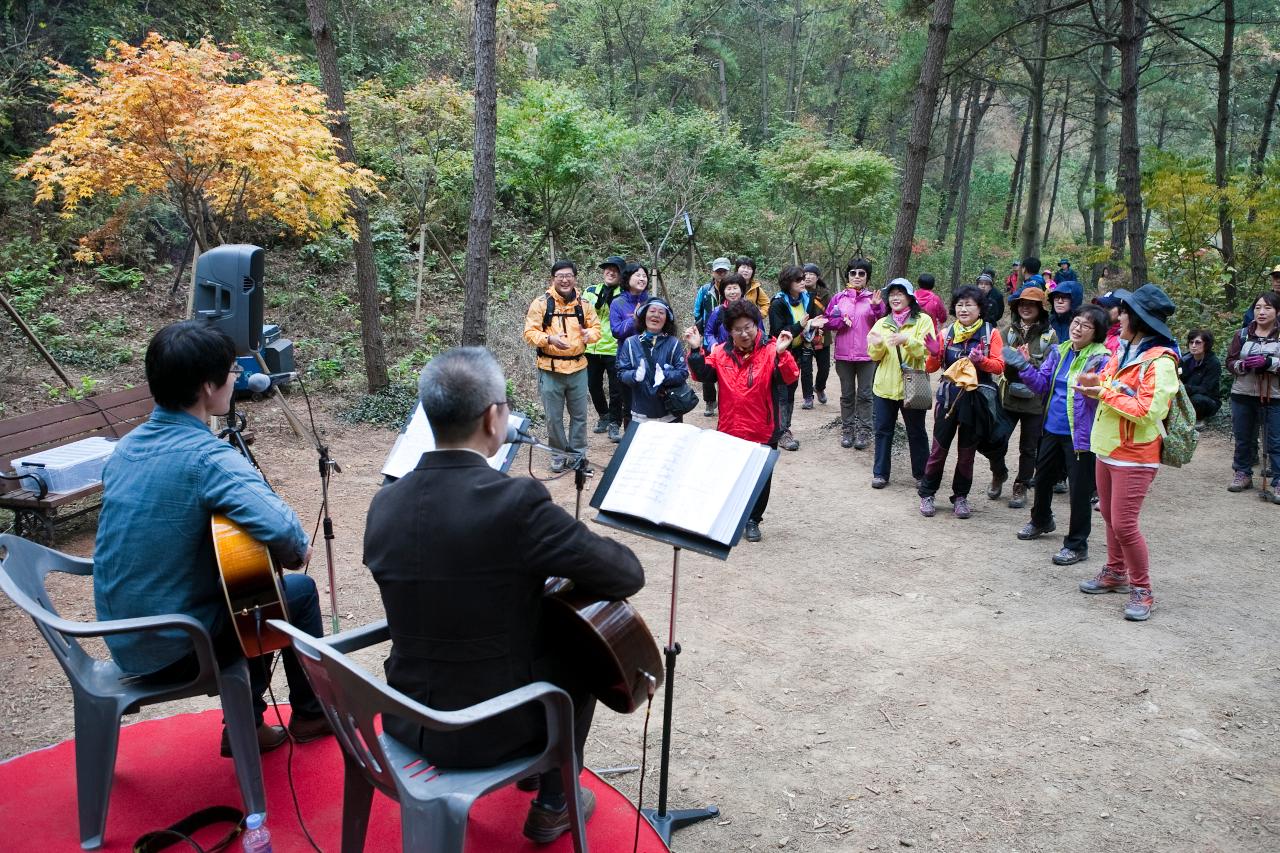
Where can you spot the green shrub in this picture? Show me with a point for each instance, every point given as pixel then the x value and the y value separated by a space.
pixel 120 278
pixel 389 407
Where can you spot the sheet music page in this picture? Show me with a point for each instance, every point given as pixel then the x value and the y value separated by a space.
pixel 417 439
pixel 655 456
pixel 706 481
pixel 727 523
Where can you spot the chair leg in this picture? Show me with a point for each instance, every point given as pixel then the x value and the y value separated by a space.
pixel 357 798
pixel 438 825
pixel 573 799
pixel 242 731
pixel 97 736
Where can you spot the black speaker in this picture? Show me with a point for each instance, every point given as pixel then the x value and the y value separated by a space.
pixel 229 292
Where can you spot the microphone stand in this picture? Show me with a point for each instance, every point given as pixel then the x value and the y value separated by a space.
pixel 328 467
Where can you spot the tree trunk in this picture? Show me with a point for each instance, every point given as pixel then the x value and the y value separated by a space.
pixel 951 163
pixel 764 79
pixel 1030 236
pixel 1101 120
pixel 480 224
pixel 375 355
pixel 1132 25
pixel 1264 139
pixel 1015 181
pixel 793 59
pixel 918 142
pixel 1086 215
pixel 724 94
pixel 964 167
pixel 833 117
pixel 1221 133
pixel 1057 163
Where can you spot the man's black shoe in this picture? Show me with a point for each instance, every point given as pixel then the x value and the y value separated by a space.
pixel 544 825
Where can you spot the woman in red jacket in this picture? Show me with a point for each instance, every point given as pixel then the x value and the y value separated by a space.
pixel 749 369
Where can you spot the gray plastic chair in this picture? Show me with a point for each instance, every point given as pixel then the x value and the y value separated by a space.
pixel 103 694
pixel 434 801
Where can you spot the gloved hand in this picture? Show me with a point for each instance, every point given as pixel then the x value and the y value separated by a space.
pixel 1013 358
pixel 1254 363
pixel 640 371
pixel 658 376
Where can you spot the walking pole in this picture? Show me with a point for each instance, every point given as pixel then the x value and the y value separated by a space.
pixel 1267 471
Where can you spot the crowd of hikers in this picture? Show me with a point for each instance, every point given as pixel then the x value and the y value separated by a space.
pixel 1100 393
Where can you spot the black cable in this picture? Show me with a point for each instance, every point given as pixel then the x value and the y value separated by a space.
pixel 293 791
pixel 183 837
pixel 644 761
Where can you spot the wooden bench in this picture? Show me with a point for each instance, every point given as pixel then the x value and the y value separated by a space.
pixel 110 415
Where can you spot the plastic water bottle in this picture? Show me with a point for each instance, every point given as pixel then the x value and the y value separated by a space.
pixel 256 838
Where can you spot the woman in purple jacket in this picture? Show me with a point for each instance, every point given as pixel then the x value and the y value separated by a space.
pixel 1068 419
pixel 851 314
pixel 622 318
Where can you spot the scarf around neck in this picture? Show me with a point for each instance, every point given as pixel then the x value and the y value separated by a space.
pixel 903 318
pixel 960 334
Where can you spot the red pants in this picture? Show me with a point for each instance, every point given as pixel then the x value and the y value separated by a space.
pixel 1121 491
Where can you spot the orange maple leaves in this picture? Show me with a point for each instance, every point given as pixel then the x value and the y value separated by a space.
pixel 219 137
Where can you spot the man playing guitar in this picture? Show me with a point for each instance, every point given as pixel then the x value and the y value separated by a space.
pixel 154 552
pixel 461 553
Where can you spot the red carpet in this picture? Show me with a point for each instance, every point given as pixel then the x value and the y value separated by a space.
pixel 169 768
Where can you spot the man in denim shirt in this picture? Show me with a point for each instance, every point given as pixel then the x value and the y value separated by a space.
pixel 154 550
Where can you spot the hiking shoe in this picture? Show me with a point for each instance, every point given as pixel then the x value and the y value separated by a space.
pixel 1060 487
pixel 822 397
pixel 846 439
pixel 961 508
pixel 1018 500
pixel 1067 557
pixel 544 825
pixel 860 441
pixel 996 487
pixel 1241 482
pixel 1096 502
pixel 1273 495
pixel 557 464
pixel 752 531
pixel 807 404
pixel 615 433
pixel 709 411
pixel 1140 604
pixel 879 482
pixel 1105 581
pixel 1031 530
pixel 788 441
pixel 926 507
pixel 601 427
pixel 269 737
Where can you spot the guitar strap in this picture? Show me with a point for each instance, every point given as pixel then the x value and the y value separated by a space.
pixel 162 839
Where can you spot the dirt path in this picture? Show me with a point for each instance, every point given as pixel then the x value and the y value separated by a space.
pixel 867 679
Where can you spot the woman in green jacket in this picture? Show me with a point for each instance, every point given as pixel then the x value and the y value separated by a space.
pixel 905 333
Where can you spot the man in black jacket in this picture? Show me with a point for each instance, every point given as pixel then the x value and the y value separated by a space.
pixel 461 552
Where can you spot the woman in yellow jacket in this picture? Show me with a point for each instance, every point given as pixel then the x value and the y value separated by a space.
pixel 906 332
pixel 1134 392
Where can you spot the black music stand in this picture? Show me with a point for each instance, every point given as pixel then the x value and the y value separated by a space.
pixel 663 821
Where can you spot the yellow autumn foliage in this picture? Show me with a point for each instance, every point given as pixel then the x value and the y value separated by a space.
pixel 220 138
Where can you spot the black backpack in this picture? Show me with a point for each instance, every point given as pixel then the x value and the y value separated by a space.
pixel 546 324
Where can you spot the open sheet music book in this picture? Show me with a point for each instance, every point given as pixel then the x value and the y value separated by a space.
pixel 696 480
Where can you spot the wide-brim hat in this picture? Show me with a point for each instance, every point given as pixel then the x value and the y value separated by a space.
pixel 1151 304
pixel 1275 270
pixel 613 261
pixel 1062 261
pixel 1108 299
pixel 903 283
pixel 1034 295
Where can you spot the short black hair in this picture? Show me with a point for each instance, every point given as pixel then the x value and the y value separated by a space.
pixel 456 388
pixel 969 291
pixel 744 261
pixel 926 281
pixel 1270 297
pixel 563 264
pixel 788 276
pixel 731 278
pixel 1032 263
pixel 858 264
pixel 183 356
pixel 1205 335
pixel 737 310
pixel 1099 319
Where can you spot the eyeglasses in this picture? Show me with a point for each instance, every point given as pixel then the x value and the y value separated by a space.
pixel 1081 324
pixel 506 403
pixel 858 273
pixel 564 276
pixel 236 369
pixel 743 332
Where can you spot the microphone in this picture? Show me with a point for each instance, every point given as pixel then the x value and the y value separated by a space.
pixel 515 435
pixel 259 383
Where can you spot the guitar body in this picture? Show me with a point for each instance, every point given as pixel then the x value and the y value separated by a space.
pixel 608 640
pixel 251 584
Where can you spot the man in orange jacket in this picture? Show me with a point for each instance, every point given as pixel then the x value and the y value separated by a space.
pixel 559 325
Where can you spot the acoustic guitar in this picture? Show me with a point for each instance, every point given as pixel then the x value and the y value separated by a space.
pixel 251 583
pixel 609 641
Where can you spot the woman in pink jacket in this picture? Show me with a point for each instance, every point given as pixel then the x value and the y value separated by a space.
pixel 850 315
